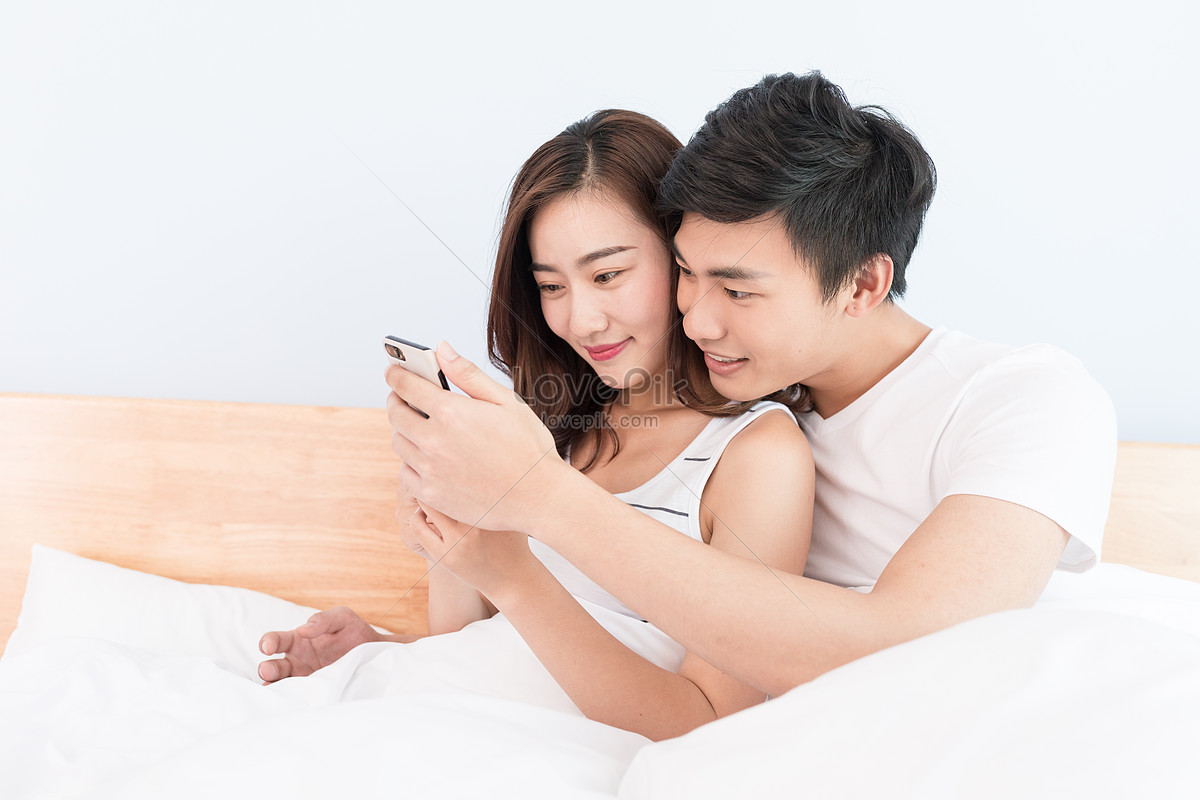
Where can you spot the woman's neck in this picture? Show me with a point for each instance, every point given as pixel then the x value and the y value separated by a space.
pixel 654 396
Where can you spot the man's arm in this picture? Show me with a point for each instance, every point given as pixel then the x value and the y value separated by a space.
pixel 972 556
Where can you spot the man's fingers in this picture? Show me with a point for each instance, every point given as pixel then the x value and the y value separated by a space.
pixel 468 377
pixel 402 418
pixel 406 500
pixel 417 393
pixel 410 481
pixel 400 414
pixel 405 448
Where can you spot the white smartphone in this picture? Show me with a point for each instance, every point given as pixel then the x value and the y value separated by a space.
pixel 416 358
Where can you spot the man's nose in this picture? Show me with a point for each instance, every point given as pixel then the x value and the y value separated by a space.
pixel 702 320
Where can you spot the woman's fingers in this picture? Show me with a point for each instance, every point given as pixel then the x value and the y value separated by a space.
pixel 273 642
pixel 275 670
pixel 440 523
pixel 406 517
pixel 427 537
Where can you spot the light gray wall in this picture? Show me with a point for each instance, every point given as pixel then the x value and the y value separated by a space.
pixel 183 212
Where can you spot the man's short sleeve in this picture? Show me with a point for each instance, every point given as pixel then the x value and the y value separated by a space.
pixel 1035 429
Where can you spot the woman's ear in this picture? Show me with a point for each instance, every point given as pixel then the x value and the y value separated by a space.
pixel 871 285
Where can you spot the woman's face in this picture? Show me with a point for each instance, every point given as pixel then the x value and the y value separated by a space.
pixel 605 284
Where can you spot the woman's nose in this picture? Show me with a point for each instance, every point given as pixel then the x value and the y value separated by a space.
pixel 588 315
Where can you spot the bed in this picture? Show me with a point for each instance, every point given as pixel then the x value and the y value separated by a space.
pixel 145 544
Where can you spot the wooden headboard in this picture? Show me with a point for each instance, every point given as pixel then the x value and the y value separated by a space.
pixel 295 501
pixel 299 501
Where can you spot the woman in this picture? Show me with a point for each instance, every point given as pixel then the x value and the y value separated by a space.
pixel 583 320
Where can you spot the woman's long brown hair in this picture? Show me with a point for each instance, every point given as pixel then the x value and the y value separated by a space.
pixel 625 154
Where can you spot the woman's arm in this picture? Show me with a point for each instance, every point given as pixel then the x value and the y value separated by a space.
pixel 329 635
pixel 758 504
pixel 453 603
pixel 749 513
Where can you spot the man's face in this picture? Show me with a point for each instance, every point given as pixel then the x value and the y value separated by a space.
pixel 753 308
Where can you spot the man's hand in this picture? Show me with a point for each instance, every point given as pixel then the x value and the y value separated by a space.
pixel 485 459
pixel 326 637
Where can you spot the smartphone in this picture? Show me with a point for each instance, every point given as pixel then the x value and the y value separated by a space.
pixel 416 358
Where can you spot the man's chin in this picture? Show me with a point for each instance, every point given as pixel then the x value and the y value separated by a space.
pixel 733 389
pixel 742 389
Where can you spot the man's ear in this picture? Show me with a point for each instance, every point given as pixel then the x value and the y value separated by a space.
pixel 871 285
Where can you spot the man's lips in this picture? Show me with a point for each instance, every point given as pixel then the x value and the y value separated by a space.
pixel 606 351
pixel 722 365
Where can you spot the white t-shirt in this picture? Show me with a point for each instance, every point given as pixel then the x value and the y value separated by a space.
pixel 959 416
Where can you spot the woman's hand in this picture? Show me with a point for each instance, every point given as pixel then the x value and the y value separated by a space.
pixel 326 637
pixel 406 510
pixel 488 560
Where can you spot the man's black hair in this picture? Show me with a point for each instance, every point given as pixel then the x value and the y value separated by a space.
pixel 846 183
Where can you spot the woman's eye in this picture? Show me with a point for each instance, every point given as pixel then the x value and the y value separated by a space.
pixel 606 277
pixel 548 288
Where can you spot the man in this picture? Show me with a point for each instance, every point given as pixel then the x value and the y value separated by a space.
pixel 953 475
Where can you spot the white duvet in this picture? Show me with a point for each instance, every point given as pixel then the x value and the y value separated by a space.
pixel 120 684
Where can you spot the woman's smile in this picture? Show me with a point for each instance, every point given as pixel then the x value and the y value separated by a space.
pixel 605 352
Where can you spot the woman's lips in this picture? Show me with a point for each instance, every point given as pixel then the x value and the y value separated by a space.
pixel 606 351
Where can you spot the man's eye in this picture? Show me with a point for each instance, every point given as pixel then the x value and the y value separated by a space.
pixel 607 277
pixel 686 272
pixel 736 295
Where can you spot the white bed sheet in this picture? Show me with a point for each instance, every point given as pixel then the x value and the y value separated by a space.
pixel 1094 693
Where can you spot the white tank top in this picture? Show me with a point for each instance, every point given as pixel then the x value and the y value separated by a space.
pixel 672 497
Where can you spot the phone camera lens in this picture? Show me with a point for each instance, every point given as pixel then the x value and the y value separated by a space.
pixel 395 352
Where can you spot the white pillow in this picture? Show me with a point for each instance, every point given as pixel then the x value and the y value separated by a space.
pixel 1039 703
pixel 1172 602
pixel 68 595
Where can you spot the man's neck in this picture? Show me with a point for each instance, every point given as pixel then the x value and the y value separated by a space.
pixel 875 345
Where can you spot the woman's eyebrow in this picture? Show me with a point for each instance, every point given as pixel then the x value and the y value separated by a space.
pixel 585 260
pixel 603 253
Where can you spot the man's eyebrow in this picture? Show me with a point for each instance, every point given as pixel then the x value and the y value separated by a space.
pixel 583 261
pixel 734 273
